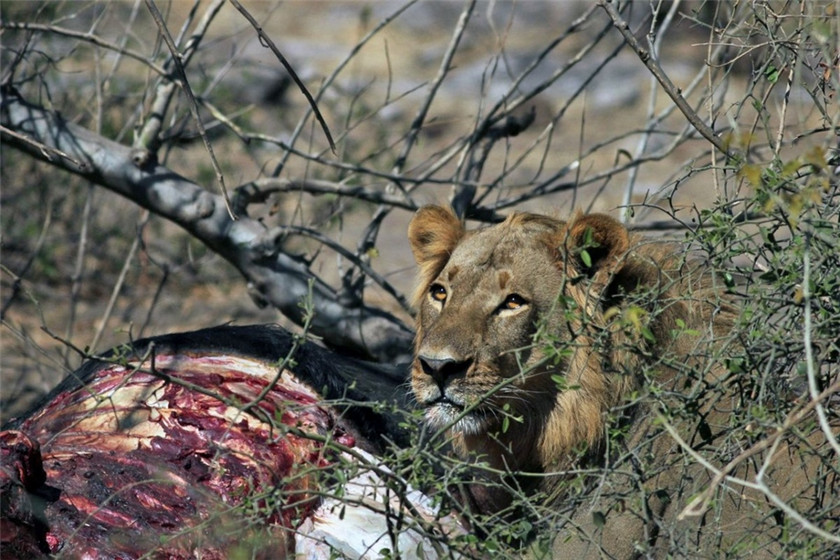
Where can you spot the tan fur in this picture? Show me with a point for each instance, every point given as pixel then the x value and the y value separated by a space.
pixel 539 258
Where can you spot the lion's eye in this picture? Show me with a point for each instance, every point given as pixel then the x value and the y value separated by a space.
pixel 513 301
pixel 438 292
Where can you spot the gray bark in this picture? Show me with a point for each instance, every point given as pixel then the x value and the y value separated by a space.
pixel 280 279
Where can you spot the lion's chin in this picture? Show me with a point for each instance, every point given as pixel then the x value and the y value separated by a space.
pixel 443 415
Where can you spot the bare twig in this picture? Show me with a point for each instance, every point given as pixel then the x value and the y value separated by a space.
pixel 149 136
pixel 47 152
pixel 176 59
pixel 508 102
pixel 78 269
pixel 87 37
pixel 260 189
pixel 653 66
pixel 443 71
pixel 641 148
pixel 118 285
pixel 281 231
pixel 33 255
pixel 330 80
pixel 266 41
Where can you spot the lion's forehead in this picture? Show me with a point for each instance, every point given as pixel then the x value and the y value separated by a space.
pixel 498 247
pixel 499 260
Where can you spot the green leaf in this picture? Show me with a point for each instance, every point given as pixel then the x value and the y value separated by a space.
pixel 816 157
pixel 559 381
pixel 752 173
pixel 585 258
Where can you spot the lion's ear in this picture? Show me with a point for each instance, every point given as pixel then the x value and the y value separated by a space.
pixel 433 234
pixel 596 242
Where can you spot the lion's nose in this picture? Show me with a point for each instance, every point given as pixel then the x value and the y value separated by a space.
pixel 441 369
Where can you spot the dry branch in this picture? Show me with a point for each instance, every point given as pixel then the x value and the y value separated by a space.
pixel 266 41
pixel 279 278
pixel 653 66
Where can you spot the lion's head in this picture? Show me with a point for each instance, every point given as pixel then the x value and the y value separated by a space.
pixel 524 330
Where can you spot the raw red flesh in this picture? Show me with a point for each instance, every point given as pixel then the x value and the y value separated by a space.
pixel 135 464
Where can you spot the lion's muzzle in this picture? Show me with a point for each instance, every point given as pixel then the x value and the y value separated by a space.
pixel 441 370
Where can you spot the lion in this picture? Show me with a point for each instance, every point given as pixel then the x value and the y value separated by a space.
pixel 537 338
